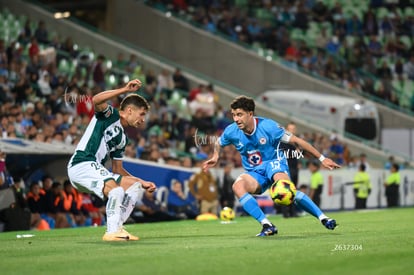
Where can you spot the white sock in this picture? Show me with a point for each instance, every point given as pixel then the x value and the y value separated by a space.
pixel 265 221
pixel 323 216
pixel 113 209
pixel 132 195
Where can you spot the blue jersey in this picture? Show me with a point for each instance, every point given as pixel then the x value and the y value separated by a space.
pixel 260 146
pixel 260 153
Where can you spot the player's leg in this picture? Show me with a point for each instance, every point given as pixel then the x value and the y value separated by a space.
pixel 92 177
pixel 115 194
pixel 304 202
pixel 245 185
pixel 133 193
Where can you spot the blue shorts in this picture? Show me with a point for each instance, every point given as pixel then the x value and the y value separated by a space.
pixel 265 171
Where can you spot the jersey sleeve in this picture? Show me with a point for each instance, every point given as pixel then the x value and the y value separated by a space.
pixel 117 154
pixel 109 111
pixel 277 132
pixel 225 138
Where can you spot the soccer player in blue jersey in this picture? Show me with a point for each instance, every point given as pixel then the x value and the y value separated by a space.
pixel 257 139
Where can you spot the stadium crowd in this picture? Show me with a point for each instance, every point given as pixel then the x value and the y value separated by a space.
pixel 361 46
pixel 40 101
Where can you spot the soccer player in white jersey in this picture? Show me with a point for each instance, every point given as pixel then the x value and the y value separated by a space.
pixel 105 138
pixel 257 140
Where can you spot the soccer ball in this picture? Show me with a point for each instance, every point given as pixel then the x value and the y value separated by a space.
pixel 283 192
pixel 227 214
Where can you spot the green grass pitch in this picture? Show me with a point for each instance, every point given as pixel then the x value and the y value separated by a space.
pixel 367 242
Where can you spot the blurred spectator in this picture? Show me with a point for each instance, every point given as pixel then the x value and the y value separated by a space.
pixel 226 194
pixel 180 81
pixel 322 38
pixel 354 26
pixel 362 187
pixel 337 151
pixel 132 63
pixel 370 23
pixel 301 17
pixel 34 49
pixel 54 195
pixel 389 163
pixel 363 160
pixel 98 72
pixel 316 182
pixel 165 81
pixel 36 201
pixel 44 84
pixel 203 186
pixel 179 203
pixel 152 209
pixel 120 63
pixel 95 213
pixel 392 186
pixel 292 154
pixel 409 68
pixel 41 33
pixel 70 202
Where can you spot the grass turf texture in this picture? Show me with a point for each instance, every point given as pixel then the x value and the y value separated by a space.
pixel 368 242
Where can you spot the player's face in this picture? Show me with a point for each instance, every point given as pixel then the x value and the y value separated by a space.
pixel 243 119
pixel 136 116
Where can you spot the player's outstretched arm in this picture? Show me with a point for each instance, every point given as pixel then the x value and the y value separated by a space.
pixel 213 161
pixel 118 168
pixel 99 100
pixel 326 162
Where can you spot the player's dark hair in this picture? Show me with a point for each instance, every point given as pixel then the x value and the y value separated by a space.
pixel 396 167
pixel 243 102
pixel 362 167
pixel 135 100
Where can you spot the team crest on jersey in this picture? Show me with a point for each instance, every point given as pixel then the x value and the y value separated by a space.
pixel 262 140
pixel 255 158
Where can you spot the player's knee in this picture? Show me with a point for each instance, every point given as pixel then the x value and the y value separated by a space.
pixel 239 188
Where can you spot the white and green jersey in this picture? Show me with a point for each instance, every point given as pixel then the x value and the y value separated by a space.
pixel 104 137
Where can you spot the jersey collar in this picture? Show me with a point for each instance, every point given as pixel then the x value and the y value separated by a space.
pixel 256 121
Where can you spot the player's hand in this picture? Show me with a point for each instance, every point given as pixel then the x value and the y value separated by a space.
pixel 330 164
pixel 133 85
pixel 209 163
pixel 150 186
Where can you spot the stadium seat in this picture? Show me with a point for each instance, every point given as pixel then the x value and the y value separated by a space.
pixel 408 11
pixel 241 3
pixel 65 67
pixel 406 40
pixel 382 12
pixel 263 14
pixel 111 81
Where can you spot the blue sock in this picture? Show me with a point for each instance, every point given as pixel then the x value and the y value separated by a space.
pixel 251 206
pixel 307 204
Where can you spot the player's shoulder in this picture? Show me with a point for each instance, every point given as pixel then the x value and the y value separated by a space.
pixel 267 122
pixel 231 128
pixel 109 112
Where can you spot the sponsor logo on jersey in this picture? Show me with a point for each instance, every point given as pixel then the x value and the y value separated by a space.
pixel 262 140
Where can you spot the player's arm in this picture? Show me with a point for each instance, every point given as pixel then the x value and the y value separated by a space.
pixel 119 169
pixel 213 160
pixel 326 162
pixel 100 100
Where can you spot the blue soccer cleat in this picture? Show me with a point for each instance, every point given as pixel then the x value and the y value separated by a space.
pixel 267 230
pixel 329 223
